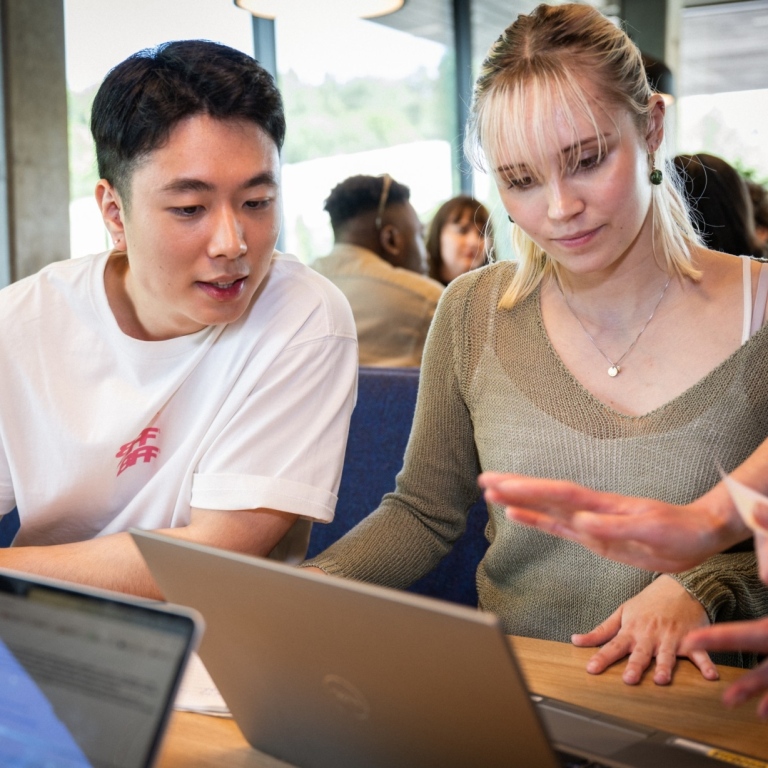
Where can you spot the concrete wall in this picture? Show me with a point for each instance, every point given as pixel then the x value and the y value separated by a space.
pixel 34 174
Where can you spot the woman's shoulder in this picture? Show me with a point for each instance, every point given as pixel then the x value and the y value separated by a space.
pixel 482 281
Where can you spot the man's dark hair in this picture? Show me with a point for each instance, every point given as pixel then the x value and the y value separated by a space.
pixel 143 98
pixel 361 194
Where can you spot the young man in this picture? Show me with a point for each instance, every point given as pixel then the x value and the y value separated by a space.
pixel 191 380
pixel 379 262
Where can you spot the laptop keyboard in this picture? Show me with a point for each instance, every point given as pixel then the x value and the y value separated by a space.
pixel 574 761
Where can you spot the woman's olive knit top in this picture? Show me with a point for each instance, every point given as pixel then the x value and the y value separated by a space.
pixel 494 395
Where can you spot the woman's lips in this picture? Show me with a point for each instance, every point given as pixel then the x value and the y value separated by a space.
pixel 578 239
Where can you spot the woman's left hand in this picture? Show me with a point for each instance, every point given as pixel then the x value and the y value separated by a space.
pixel 651 624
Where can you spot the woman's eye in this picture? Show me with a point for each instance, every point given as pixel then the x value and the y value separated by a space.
pixel 520 183
pixel 587 163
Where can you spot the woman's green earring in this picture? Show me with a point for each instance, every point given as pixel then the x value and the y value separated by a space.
pixel 656 176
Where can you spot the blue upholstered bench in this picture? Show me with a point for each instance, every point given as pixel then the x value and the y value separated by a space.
pixel 379 430
pixel 9 525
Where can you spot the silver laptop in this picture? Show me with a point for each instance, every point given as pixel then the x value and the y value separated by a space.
pixel 325 672
pixel 87 677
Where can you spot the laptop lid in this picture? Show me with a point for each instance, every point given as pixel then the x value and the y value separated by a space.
pixel 87 677
pixel 324 672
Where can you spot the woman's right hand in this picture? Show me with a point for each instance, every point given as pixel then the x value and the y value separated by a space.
pixel 645 533
pixel 745 636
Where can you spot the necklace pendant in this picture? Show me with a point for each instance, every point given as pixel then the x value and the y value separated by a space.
pixel 613 371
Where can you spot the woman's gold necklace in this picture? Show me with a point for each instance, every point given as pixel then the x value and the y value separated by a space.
pixel 615 368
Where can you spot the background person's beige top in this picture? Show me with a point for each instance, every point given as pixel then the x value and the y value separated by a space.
pixel 392 307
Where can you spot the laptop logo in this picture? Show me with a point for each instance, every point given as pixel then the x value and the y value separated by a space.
pixel 347 696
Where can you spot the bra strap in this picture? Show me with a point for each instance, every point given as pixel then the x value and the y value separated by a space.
pixel 760 312
pixel 747 283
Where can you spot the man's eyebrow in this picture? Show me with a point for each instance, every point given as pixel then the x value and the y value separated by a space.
pixel 183 184
pixel 266 179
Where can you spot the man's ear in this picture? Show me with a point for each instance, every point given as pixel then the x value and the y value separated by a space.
pixel 391 243
pixel 111 207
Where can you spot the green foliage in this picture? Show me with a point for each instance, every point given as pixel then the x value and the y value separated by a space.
pixel 362 114
pixel 83 173
pixel 330 119
pixel 750 174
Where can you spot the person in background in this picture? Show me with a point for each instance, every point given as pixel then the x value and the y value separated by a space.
pixel 759 195
pixel 459 238
pixel 719 197
pixel 190 380
pixel 378 261
pixel 613 353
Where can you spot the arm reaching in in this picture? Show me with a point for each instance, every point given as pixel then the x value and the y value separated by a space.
pixel 746 636
pixel 641 532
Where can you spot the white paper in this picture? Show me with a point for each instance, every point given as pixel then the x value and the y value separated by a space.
pixel 746 500
pixel 198 693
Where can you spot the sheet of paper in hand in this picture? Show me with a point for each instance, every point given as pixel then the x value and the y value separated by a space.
pixel 747 500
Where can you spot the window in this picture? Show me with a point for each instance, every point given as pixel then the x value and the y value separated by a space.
pixel 99 35
pixel 723 84
pixel 362 98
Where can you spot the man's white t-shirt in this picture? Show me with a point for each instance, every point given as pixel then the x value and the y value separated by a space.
pixel 100 432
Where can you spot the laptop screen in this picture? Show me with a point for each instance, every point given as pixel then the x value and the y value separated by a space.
pixel 87 678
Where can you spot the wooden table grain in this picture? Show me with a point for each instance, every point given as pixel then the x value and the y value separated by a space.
pixel 690 706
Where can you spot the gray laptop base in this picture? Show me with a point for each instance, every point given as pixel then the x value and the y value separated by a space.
pixel 323 672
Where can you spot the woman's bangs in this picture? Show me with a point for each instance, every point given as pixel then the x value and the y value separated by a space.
pixel 524 125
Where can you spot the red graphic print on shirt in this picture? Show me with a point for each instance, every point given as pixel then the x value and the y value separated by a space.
pixel 139 448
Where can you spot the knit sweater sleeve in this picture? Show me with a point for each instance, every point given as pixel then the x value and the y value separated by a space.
pixel 415 526
pixel 728 586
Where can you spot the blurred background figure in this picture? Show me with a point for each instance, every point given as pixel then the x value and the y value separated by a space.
pixel 378 261
pixel 759 195
pixel 459 238
pixel 719 197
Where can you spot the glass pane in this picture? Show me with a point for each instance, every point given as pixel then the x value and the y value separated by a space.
pixel 99 35
pixel 723 84
pixel 362 98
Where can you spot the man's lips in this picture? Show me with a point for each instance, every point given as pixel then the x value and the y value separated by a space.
pixel 223 289
pixel 223 282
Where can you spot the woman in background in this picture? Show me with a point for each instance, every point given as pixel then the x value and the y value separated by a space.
pixel 459 238
pixel 759 195
pixel 719 197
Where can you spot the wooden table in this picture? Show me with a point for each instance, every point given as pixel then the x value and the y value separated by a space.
pixel 690 707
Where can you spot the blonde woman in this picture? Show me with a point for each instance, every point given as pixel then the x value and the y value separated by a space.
pixel 618 353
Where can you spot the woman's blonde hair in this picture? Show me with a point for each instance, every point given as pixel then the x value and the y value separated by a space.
pixel 545 62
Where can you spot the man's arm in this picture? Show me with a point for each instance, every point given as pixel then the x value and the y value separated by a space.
pixel 641 532
pixel 114 562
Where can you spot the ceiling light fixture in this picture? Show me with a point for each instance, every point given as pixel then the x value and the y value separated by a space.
pixel 361 9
